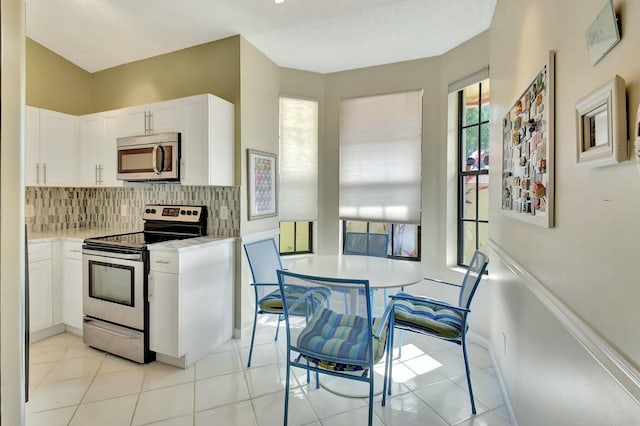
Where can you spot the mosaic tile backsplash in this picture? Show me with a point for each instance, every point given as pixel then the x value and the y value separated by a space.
pixel 57 209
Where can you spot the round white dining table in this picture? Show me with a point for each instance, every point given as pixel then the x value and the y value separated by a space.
pixel 382 273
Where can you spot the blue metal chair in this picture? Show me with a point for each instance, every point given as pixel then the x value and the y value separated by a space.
pixel 264 261
pixel 437 318
pixel 328 339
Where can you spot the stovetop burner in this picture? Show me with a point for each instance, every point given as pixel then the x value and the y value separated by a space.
pixel 161 223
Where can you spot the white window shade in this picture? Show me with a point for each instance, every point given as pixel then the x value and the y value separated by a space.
pixel 381 158
pixel 298 160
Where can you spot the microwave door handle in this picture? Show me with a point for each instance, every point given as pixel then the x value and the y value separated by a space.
pixel 155 161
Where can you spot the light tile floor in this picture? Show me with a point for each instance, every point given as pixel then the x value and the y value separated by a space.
pixel 72 384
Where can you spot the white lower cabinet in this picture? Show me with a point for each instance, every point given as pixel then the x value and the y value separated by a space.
pixel 190 301
pixel 40 286
pixel 72 284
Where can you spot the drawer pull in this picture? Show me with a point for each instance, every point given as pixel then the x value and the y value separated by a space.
pixel 162 262
pixel 74 251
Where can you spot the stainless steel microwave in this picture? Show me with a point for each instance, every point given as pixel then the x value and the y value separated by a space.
pixel 154 157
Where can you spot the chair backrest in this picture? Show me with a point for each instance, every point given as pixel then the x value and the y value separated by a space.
pixel 319 300
pixel 366 244
pixel 264 261
pixel 472 278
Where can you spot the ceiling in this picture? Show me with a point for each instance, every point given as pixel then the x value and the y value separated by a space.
pixel 314 35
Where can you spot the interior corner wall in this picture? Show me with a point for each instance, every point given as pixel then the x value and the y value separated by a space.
pixel 54 83
pixel 259 100
pixel 207 68
pixel 586 261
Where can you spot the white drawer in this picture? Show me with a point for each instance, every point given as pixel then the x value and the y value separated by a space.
pixel 39 251
pixel 72 250
pixel 164 261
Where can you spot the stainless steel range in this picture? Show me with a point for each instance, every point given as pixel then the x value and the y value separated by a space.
pixel 114 272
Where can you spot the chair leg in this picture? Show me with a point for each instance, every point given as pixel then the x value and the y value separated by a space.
pixel 466 366
pixel 391 339
pixel 286 391
pixel 278 327
pixel 370 398
pixel 253 336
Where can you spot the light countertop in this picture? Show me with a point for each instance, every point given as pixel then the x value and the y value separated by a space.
pixel 70 234
pixel 188 244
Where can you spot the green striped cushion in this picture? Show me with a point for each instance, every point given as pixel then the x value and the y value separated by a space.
pixel 272 302
pixel 428 318
pixel 341 336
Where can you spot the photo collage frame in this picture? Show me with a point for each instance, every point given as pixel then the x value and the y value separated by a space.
pixel 528 149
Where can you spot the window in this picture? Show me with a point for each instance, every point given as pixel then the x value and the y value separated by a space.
pixel 296 237
pixel 298 174
pixel 473 170
pixel 381 168
pixel 403 242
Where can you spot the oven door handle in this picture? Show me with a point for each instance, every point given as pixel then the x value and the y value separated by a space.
pixel 93 323
pixel 126 256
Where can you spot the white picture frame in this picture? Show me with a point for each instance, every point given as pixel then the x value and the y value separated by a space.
pixel 601 126
pixel 262 192
pixel 603 34
pixel 528 151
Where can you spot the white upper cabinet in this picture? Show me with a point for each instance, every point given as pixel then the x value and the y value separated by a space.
pixel 66 150
pixel 151 118
pixel 32 146
pixel 51 148
pixel 98 162
pixel 207 141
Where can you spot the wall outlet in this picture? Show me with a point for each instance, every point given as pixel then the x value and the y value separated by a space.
pixel 123 210
pixel 29 210
pixel 224 212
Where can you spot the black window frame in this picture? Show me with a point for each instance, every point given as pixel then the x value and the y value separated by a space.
pixel 389 256
pixel 295 239
pixel 463 174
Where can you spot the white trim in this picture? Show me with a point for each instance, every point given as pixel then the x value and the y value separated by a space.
pixel 468 80
pixel 261 235
pixel 615 363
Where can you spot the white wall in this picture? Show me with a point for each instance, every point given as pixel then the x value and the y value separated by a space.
pixel 12 266
pixel 586 261
pixel 259 106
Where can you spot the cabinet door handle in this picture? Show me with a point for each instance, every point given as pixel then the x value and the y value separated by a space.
pixel 150 122
pixel 44 172
pixel 96 173
pixel 38 173
pixel 100 174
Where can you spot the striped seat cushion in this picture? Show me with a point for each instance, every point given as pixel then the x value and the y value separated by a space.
pixel 428 318
pixel 272 302
pixel 340 336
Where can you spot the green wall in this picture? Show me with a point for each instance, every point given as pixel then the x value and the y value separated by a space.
pixel 54 83
pixel 207 68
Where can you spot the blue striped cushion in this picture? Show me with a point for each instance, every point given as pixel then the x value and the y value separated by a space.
pixel 428 318
pixel 343 337
pixel 272 302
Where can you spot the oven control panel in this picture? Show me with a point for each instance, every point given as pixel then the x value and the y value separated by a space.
pixel 173 213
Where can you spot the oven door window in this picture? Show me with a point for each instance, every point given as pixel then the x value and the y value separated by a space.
pixel 155 159
pixel 112 283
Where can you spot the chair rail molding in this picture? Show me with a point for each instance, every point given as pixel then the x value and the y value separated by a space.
pixel 615 363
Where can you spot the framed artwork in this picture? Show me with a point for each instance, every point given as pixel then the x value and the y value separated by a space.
pixel 602 126
pixel 603 34
pixel 262 191
pixel 528 151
